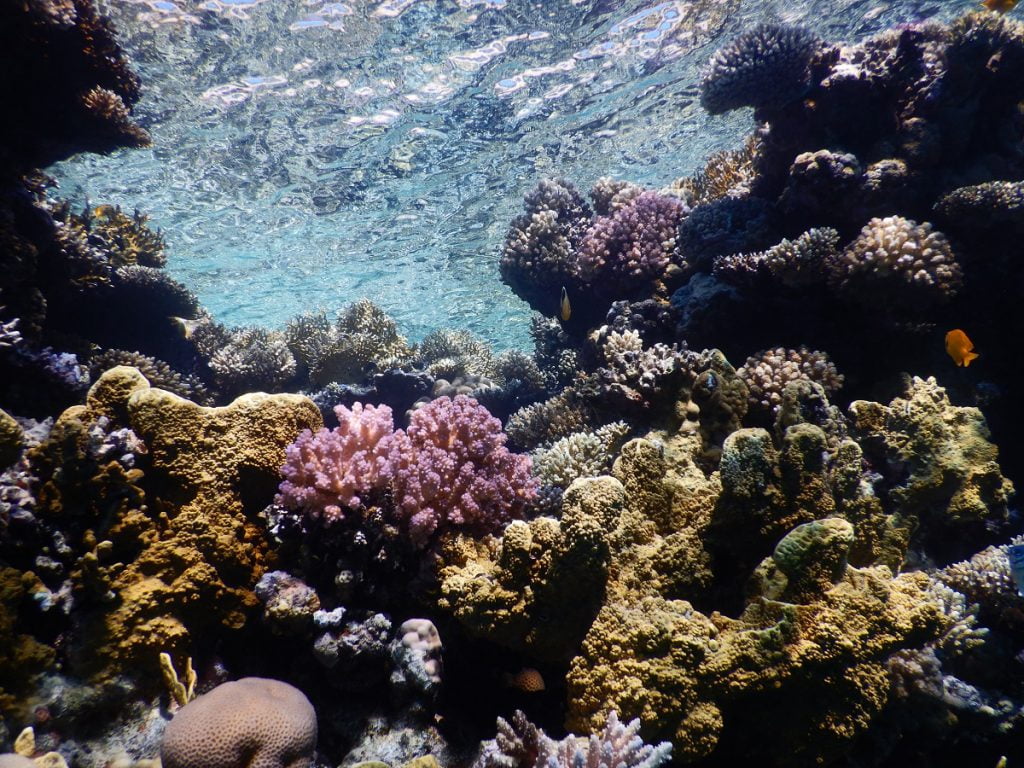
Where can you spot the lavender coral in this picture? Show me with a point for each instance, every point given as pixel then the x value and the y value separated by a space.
pixel 334 468
pixel 449 469
pixel 634 245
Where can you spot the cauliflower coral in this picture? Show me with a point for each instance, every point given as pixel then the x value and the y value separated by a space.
pixel 450 469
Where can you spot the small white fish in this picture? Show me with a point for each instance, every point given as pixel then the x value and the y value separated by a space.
pixel 1016 553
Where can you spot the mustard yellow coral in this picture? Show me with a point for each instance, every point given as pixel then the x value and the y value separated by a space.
pixel 189 557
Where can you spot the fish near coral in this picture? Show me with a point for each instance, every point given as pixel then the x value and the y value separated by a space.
pixel 564 307
pixel 1000 6
pixel 959 347
pixel 526 680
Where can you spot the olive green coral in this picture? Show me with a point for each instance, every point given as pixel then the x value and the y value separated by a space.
pixel 952 473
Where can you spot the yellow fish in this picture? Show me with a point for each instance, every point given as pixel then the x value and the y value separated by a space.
pixel 1000 6
pixel 565 307
pixel 959 347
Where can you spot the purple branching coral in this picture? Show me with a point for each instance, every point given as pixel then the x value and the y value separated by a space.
pixel 521 744
pixel 634 245
pixel 450 469
pixel 333 468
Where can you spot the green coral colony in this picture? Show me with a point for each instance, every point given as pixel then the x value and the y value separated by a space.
pixel 354 549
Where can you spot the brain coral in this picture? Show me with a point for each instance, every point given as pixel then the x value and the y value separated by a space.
pixel 247 723
pixel 766 67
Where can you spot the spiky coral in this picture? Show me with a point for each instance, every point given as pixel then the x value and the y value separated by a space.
pixel 792 263
pixel 538 257
pixel 520 744
pixel 157 372
pixel 253 359
pixel 362 339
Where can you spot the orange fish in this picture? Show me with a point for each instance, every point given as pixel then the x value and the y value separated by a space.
pixel 1000 6
pixel 959 347
pixel 527 680
pixel 565 308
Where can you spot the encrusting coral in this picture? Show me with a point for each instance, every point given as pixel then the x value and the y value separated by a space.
pixel 216 468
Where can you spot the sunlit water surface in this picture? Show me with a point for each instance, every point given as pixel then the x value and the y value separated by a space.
pixel 308 153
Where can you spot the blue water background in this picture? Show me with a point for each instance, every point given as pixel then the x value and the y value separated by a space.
pixel 308 153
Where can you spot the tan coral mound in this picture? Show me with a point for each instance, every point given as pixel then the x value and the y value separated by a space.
pixel 247 723
pixel 189 557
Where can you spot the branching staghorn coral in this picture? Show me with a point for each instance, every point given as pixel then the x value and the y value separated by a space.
pixel 124 240
pixel 764 68
pixel 633 375
pixel 768 373
pixel 448 353
pixel 520 744
pixel 727 173
pixel 986 580
pixel 362 339
pixel 253 359
pixel 982 206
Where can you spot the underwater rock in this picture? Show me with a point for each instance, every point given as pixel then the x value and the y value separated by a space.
pixel 416 653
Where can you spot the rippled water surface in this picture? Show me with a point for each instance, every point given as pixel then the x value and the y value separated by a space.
pixel 307 153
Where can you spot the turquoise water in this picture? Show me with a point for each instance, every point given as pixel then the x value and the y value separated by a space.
pixel 308 153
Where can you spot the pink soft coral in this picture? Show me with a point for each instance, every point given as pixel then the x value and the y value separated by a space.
pixel 331 469
pixel 451 469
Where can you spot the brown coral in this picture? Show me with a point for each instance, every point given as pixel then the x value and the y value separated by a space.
pixel 214 468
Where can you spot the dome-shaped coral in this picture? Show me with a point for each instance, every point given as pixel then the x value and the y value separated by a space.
pixel 896 260
pixel 766 67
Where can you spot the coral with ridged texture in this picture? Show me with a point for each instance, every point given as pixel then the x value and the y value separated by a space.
pixel 249 722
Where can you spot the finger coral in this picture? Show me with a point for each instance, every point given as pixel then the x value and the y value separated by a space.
pixel 897 260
